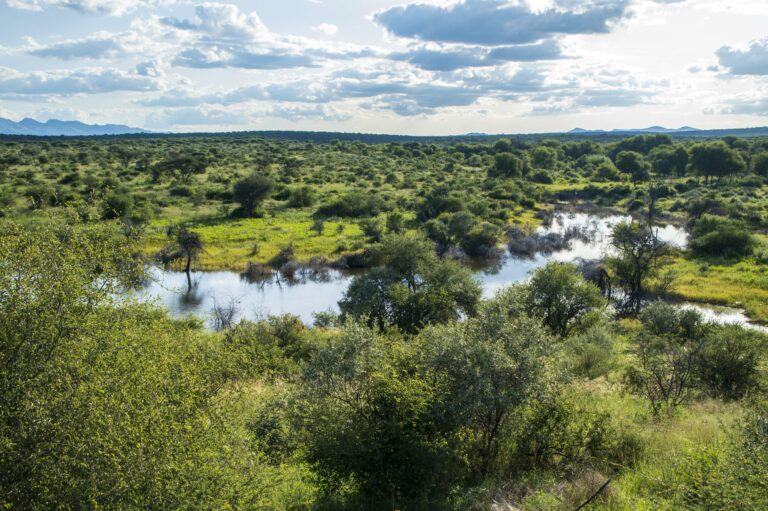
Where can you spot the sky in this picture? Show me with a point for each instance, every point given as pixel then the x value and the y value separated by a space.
pixel 428 67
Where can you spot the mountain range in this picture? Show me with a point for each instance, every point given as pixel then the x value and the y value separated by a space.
pixel 652 129
pixel 56 128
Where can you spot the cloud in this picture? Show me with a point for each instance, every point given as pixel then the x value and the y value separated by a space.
pixel 303 113
pixel 200 116
pixel 110 7
pixel 326 28
pixel 236 56
pixel 221 21
pixel 497 22
pixel 745 105
pixel 451 58
pixel 67 83
pixel 613 97
pixel 752 60
pixel 220 35
pixel 101 45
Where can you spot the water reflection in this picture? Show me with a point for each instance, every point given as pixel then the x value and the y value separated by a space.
pixel 306 290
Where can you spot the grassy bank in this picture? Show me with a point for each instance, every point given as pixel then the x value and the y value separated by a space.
pixel 742 284
pixel 231 243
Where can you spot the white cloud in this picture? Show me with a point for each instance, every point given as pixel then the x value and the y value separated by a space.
pixel 326 28
pixel 67 83
pixel 100 45
pixel 110 7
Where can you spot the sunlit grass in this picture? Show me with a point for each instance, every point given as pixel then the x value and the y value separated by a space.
pixel 741 284
pixel 232 243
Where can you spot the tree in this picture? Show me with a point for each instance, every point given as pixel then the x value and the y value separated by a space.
pixel 507 165
pixel 716 159
pixel 183 166
pixel 485 370
pixel 760 164
pixel 637 250
pixel 410 287
pixel 251 191
pixel 728 365
pixel 369 425
pixel 543 157
pixel 117 205
pixel 187 247
pixel 561 297
pixel 633 163
pixel 302 197
pixel 669 160
pixel 668 346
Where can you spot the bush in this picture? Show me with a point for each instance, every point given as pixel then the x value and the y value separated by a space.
pixel 117 205
pixel 302 197
pixel 592 352
pixel 353 205
pixel 542 176
pixel 667 348
pixel 727 367
pixel 721 237
pixel 181 191
pixel 373 229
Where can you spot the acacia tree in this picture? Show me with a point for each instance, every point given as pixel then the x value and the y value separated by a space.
pixel 637 250
pixel 669 160
pixel 507 165
pixel 716 159
pixel 251 191
pixel 184 167
pixel 187 246
pixel 633 163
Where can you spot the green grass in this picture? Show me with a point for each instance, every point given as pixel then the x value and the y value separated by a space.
pixel 232 243
pixel 742 284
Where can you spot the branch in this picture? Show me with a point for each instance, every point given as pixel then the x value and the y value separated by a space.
pixel 594 496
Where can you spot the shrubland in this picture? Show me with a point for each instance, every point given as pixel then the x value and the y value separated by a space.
pixel 535 398
pixel 420 394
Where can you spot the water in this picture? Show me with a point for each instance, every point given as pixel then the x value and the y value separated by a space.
pixel 312 292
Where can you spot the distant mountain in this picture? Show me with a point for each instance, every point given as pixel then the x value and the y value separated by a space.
pixel 56 128
pixel 652 129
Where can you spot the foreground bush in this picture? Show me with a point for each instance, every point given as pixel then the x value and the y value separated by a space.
pixel 108 405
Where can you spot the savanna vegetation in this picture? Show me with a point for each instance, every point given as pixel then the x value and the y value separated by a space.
pixel 258 202
pixel 577 389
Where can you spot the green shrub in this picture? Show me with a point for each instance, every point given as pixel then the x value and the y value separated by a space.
pixel 728 364
pixel 592 352
pixel 721 237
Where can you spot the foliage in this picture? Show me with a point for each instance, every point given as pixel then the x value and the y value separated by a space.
pixel 637 253
pixel 558 295
pixel 634 164
pixel 252 191
pixel 716 159
pixel 728 365
pixel 721 237
pixel 101 402
pixel 668 347
pixel 410 287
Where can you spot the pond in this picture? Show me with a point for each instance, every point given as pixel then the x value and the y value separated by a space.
pixel 319 290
